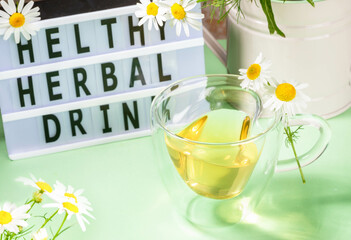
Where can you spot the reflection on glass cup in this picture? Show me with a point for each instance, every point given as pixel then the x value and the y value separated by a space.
pixel 215 151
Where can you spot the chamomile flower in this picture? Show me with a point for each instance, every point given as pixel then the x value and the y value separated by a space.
pixel 12 217
pixel 18 19
pixel 42 234
pixel 39 184
pixel 287 96
pixel 257 75
pixel 181 16
pixel 151 11
pixel 71 202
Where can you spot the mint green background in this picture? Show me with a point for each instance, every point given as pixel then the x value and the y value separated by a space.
pixel 130 202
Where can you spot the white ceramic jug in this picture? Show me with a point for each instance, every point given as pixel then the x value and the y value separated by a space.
pixel 316 50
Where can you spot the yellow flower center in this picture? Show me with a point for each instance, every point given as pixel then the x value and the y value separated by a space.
pixel 254 71
pixel 71 195
pixel 152 9
pixel 70 206
pixel 5 217
pixel 285 92
pixel 44 186
pixel 178 11
pixel 17 20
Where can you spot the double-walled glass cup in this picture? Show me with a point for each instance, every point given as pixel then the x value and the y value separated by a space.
pixel 216 152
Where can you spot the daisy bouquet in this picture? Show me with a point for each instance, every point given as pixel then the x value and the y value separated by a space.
pixel 179 13
pixel 65 200
pixel 277 95
pixel 224 6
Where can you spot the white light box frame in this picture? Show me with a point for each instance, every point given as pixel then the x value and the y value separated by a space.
pixel 89 79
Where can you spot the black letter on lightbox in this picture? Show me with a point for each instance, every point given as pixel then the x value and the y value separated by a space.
pixel 52 41
pixel 52 84
pixel 108 23
pixel 80 78
pixel 29 90
pixel 162 77
pixel 108 75
pixel 25 47
pixel 76 122
pixel 133 29
pixel 80 49
pixel 57 134
pixel 104 109
pixel 128 115
pixel 140 76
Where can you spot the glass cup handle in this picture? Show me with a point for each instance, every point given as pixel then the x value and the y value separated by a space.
pixel 317 149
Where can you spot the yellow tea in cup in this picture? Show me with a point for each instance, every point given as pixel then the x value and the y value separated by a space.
pixel 215 171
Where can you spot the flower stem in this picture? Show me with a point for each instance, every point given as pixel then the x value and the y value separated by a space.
pixel 12 235
pixel 31 207
pixel 289 135
pixel 58 231
pixel 47 220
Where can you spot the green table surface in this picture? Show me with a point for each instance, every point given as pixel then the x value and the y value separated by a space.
pixel 130 202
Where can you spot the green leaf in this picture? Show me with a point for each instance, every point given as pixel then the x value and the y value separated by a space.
pixel 268 11
pixel 311 2
pixel 65 229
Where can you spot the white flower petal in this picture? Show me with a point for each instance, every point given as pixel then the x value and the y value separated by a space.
pixel 155 24
pixel 21 209
pixel 33 14
pixel 168 16
pixel 25 34
pixel 70 189
pixel 186 29
pixel 190 6
pixel 7 8
pixel 28 28
pixel 245 84
pixel 141 7
pixel 149 24
pixel 145 2
pixel 8 33
pixel 33 19
pixel 159 20
pixel 301 86
pixel 194 24
pixel 140 14
pixel 4 15
pixel 20 6
pixel 268 103
pixel 81 223
pixel 3 20
pixel 178 28
pixel 143 20
pixel 185 3
pixel 27 7
pixel 12 228
pixel 259 58
pixel 173 22
pixel 21 223
pixel 194 15
pixel 33 10
pixel 12 5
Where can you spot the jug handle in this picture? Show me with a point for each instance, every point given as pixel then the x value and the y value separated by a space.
pixel 214 46
pixel 317 149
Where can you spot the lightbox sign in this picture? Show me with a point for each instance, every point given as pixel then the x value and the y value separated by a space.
pixel 88 79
